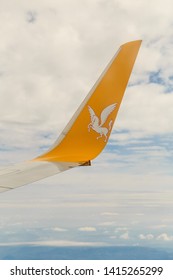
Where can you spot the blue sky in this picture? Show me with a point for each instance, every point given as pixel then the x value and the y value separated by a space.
pixel 51 53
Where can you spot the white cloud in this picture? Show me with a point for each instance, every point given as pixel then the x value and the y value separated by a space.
pixel 159 226
pixel 59 229
pixel 54 243
pixel 121 229
pixel 106 224
pixel 113 237
pixel 146 236
pixel 49 59
pixel 148 110
pixel 125 236
pixel 37 71
pixel 109 214
pixel 87 229
pixel 165 237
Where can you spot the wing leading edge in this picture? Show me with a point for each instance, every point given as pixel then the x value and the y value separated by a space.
pixel 84 137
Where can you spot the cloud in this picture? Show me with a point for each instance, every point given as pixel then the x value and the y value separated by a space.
pixel 49 60
pixel 106 224
pixel 161 237
pixel 54 243
pixel 165 237
pixel 121 229
pixel 59 229
pixel 146 237
pixel 87 229
pixel 109 214
pixel 113 237
pixel 124 236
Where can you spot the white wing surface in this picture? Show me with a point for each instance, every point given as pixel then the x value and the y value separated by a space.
pixel 28 172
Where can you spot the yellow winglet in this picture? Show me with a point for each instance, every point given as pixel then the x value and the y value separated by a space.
pixel 88 131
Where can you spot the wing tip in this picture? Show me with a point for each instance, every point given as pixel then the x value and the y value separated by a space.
pixel 137 42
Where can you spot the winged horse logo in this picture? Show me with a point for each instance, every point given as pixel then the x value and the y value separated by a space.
pixel 97 125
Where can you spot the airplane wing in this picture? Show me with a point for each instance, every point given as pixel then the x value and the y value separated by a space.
pixel 28 172
pixel 76 145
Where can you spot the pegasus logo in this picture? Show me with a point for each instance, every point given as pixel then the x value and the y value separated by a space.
pixel 97 125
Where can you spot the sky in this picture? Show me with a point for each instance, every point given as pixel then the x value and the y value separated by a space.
pixel 51 54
